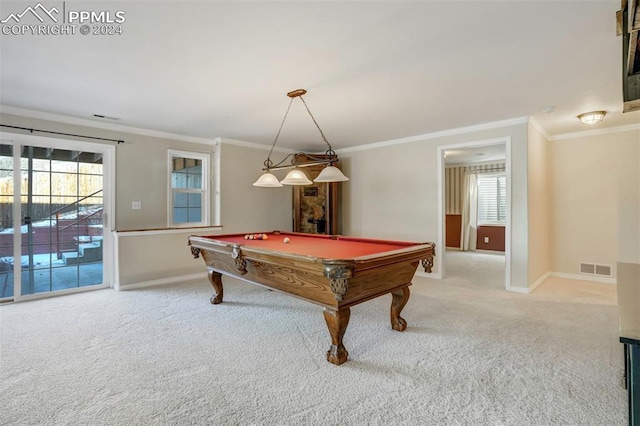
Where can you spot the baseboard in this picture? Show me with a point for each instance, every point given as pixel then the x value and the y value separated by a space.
pixel 583 277
pixel 539 281
pixel 527 290
pixel 546 275
pixel 523 290
pixel 162 281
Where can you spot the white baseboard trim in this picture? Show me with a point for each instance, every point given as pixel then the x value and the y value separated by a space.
pixel 578 277
pixel 523 290
pixel 583 277
pixel 162 281
pixel 539 281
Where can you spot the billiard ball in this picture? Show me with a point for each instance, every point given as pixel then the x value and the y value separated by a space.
pixel 265 237
pixel 286 240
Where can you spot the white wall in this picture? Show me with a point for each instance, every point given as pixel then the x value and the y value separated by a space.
pixel 539 202
pixel 628 170
pixel 628 265
pixel 244 207
pixel 157 256
pixel 587 172
pixel 393 190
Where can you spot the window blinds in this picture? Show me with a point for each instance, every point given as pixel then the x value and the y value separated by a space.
pixel 492 198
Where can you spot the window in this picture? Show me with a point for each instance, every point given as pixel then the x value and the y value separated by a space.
pixel 188 198
pixel 492 199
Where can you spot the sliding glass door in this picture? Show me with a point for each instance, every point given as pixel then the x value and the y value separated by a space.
pixel 7 188
pixel 52 222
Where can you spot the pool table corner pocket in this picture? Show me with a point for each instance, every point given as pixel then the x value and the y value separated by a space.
pixel 339 273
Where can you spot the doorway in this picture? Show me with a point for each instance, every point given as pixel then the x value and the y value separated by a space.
pixel 459 167
pixel 55 207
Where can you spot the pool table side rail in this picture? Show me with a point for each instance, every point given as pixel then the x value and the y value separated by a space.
pixel 412 250
pixel 319 236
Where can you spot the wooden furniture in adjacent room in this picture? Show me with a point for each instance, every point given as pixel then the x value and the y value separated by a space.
pixel 315 206
pixel 334 272
pixel 453 228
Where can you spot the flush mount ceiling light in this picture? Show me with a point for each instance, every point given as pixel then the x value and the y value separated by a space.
pixel 591 118
pixel 297 176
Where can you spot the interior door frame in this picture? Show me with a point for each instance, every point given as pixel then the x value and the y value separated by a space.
pixel 506 141
pixel 108 152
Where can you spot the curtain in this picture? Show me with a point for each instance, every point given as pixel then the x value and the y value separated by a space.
pixel 469 212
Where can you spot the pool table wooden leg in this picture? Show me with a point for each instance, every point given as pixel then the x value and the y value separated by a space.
pixel 399 299
pixel 216 282
pixel 337 322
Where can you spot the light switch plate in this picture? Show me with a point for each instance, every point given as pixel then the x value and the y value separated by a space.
pixel 136 205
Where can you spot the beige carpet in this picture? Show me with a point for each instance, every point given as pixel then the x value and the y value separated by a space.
pixel 473 354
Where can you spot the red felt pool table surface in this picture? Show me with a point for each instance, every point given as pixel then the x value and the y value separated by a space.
pixel 322 246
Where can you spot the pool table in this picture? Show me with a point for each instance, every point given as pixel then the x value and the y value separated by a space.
pixel 334 272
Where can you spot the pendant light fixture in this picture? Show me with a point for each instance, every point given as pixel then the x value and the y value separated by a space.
pixel 296 176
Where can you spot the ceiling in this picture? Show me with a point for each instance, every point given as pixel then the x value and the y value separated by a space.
pixel 482 154
pixel 374 71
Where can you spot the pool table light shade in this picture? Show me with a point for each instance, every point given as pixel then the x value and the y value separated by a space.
pixel 296 176
pixel 331 174
pixel 268 180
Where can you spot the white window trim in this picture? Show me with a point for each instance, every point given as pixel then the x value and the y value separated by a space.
pixel 206 201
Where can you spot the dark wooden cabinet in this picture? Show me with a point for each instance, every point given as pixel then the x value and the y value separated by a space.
pixel 453 229
pixel 315 206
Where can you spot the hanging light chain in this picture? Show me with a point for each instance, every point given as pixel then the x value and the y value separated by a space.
pixel 268 163
pixel 324 138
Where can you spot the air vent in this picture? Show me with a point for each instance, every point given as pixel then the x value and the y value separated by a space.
pixel 603 270
pixel 587 268
pixel 595 269
pixel 105 117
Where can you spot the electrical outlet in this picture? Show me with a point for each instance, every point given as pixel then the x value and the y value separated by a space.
pixel 136 205
pixel 486 240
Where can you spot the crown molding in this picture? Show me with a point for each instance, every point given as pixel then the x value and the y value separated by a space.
pixel 441 134
pixel 41 115
pixel 536 125
pixel 595 132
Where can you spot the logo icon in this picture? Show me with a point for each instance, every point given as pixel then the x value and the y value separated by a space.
pixel 38 11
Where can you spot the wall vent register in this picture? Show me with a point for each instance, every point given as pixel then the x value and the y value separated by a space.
pixel 595 269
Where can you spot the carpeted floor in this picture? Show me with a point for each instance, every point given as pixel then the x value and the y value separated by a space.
pixel 472 354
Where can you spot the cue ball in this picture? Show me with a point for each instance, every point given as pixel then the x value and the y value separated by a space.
pixel 286 240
